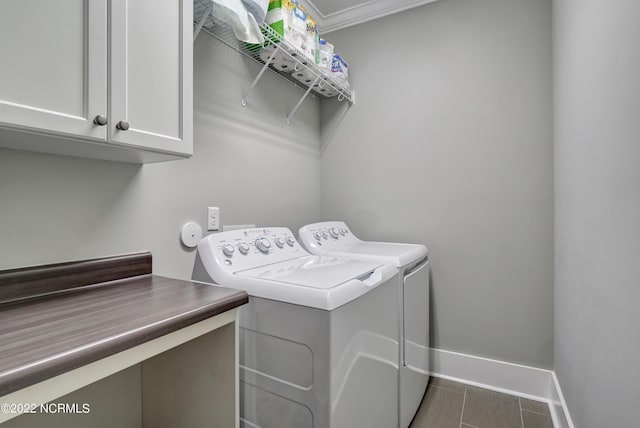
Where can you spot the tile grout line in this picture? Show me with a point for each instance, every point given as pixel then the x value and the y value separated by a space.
pixel 536 413
pixel 521 416
pixel 446 389
pixel 464 401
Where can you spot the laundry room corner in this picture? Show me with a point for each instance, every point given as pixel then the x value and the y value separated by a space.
pixel 319 213
pixel 450 145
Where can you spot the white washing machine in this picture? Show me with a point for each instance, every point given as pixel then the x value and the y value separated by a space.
pixel 333 238
pixel 319 337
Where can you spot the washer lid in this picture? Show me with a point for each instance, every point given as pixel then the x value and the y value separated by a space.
pixel 312 271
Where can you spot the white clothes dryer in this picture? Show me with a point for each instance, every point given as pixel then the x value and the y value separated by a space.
pixel 333 238
pixel 319 338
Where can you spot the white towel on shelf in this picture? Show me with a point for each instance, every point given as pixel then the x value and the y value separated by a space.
pixel 243 24
pixel 257 8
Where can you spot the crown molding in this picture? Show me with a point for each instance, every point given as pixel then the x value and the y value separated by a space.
pixel 360 13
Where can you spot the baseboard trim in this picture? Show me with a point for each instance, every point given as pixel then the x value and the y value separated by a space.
pixel 558 406
pixel 501 376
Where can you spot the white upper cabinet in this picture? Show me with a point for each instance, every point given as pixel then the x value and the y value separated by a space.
pixel 54 66
pixel 75 73
pixel 151 63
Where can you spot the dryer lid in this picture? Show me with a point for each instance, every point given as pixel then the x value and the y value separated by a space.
pixel 333 238
pixel 387 252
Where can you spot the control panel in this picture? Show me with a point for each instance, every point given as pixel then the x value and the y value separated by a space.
pixel 328 235
pixel 238 250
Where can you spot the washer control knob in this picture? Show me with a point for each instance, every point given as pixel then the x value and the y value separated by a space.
pixel 333 232
pixel 263 244
pixel 228 250
pixel 316 235
pixel 342 231
pixel 290 241
pixel 280 242
pixel 244 248
pixel 325 235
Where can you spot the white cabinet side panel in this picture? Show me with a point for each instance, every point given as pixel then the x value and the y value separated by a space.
pixel 193 385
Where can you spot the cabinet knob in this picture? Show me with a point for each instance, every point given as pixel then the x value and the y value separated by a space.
pixel 123 125
pixel 100 120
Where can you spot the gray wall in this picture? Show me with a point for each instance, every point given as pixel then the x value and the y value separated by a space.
pixel 597 173
pixel 247 161
pixel 450 145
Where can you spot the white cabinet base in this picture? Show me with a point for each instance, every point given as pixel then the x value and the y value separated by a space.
pixel 181 379
pixel 66 145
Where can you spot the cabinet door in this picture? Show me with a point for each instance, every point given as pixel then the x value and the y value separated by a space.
pixel 53 66
pixel 151 74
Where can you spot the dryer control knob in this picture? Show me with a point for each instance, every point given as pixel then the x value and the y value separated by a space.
pixel 244 248
pixel 325 235
pixel 280 242
pixel 290 240
pixel 316 235
pixel 333 232
pixel 263 244
pixel 228 250
pixel 343 231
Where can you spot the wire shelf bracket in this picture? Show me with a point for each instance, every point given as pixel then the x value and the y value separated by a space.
pixel 290 115
pixel 247 92
pixel 202 20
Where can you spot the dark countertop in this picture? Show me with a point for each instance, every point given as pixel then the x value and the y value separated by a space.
pixel 46 336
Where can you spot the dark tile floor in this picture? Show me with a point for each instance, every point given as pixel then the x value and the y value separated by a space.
pixel 454 405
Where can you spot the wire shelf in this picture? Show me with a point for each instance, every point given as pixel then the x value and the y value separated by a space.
pixel 276 53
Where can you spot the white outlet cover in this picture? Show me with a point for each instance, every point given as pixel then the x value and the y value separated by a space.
pixel 191 234
pixel 213 218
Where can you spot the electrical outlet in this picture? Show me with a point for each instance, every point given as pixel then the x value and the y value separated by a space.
pixel 213 218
